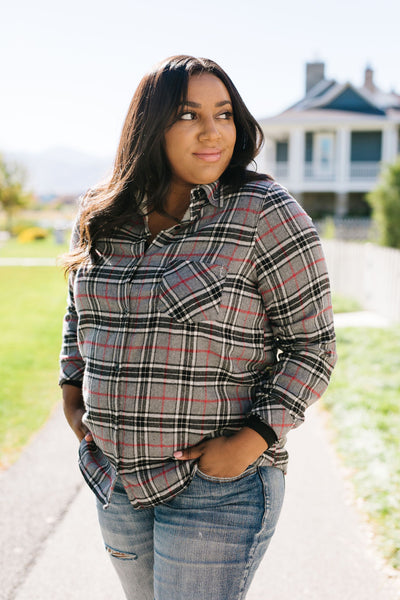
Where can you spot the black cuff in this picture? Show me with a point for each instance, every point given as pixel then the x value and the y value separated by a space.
pixel 266 432
pixel 77 384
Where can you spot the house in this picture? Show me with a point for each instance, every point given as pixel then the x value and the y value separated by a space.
pixel 328 149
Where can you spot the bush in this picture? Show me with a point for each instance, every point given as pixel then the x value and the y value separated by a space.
pixel 385 202
pixel 31 234
pixel 20 225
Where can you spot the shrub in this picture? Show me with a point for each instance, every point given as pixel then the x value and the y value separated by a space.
pixel 31 234
pixel 21 225
pixel 385 202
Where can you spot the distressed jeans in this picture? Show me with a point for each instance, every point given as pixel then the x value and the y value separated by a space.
pixel 204 544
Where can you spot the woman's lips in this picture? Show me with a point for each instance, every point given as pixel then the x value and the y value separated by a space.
pixel 210 156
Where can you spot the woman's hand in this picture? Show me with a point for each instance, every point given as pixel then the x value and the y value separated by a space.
pixel 226 456
pixel 74 410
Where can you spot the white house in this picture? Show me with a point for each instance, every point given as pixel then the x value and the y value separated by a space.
pixel 329 148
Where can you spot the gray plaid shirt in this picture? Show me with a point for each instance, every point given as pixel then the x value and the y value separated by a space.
pixel 224 315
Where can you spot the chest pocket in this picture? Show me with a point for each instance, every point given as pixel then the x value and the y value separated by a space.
pixel 191 290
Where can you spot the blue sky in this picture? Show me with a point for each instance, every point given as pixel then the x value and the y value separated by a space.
pixel 69 69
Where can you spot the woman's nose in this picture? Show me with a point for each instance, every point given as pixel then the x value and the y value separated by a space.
pixel 210 129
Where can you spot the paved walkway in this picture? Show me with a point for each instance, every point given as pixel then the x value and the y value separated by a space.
pixel 50 546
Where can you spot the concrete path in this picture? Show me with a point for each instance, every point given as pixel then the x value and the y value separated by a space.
pixel 51 547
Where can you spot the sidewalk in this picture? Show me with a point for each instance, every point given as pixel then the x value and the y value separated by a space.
pixel 52 550
pixel 51 547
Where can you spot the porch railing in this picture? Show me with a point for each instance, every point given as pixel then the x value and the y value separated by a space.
pixel 313 172
pixel 364 170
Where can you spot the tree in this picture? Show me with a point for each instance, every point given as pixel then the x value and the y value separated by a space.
pixel 385 203
pixel 13 196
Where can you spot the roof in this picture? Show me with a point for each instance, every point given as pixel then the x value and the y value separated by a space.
pixel 317 118
pixel 330 101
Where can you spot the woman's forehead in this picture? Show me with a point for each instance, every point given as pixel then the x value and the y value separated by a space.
pixel 204 84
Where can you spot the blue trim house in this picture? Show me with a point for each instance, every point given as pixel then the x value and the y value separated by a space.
pixel 328 148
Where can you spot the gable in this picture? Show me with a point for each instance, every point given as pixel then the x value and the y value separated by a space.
pixel 350 100
pixel 321 89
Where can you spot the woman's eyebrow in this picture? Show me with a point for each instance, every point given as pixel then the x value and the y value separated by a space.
pixel 197 105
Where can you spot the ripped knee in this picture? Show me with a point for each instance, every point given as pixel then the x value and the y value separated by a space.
pixel 119 554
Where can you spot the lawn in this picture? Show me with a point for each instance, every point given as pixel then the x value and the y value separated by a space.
pixel 46 248
pixel 32 304
pixel 343 304
pixel 364 407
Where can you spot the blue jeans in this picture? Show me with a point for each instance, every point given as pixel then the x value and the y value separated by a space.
pixel 204 544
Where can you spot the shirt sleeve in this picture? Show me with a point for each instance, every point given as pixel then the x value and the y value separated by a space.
pixel 72 365
pixel 294 285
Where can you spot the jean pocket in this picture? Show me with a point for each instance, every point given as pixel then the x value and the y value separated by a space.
pixel 191 290
pixel 249 471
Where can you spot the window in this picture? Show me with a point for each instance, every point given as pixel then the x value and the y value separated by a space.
pixel 324 153
pixel 282 151
pixel 366 146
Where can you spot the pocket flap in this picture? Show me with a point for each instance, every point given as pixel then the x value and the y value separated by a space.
pixel 191 290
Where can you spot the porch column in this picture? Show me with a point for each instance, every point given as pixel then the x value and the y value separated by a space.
pixel 296 160
pixel 266 159
pixel 343 156
pixel 389 144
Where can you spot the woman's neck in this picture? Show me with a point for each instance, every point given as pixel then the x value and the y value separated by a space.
pixel 175 206
pixel 177 200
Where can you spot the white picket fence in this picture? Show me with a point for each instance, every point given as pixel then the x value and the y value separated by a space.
pixel 367 273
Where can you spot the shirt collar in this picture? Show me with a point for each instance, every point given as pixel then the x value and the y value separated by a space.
pixel 208 191
pixel 199 195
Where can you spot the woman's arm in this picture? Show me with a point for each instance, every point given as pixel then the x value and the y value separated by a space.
pixel 294 285
pixel 72 365
pixel 74 409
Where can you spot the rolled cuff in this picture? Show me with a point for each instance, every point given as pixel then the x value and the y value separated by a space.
pixel 73 382
pixel 267 433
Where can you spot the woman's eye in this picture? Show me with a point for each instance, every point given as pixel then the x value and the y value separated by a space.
pixel 187 116
pixel 225 115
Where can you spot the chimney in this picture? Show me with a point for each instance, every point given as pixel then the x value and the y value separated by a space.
pixel 369 79
pixel 315 72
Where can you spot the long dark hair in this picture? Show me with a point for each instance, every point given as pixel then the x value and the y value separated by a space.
pixel 141 167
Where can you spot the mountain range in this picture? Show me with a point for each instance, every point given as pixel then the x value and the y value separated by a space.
pixel 61 171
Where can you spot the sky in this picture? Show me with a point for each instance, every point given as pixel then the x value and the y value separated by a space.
pixel 69 70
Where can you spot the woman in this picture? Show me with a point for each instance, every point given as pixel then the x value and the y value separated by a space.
pixel 199 328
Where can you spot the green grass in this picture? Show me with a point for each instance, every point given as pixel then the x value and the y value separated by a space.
pixel 364 402
pixel 32 304
pixel 38 249
pixel 343 304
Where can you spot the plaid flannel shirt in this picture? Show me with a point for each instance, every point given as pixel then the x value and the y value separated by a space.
pixel 225 315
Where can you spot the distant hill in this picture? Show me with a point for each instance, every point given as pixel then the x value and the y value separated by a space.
pixel 61 171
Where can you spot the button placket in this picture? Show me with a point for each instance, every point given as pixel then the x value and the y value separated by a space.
pixel 119 357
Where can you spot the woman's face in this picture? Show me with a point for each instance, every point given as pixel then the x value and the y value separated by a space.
pixel 199 145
